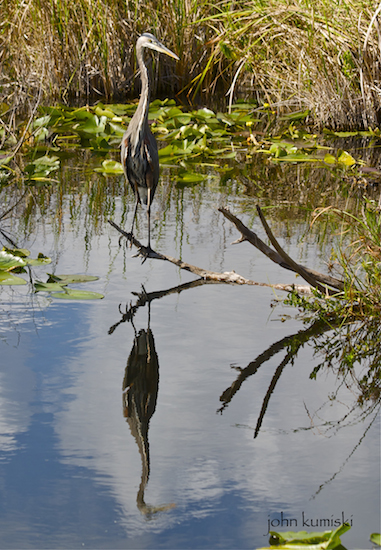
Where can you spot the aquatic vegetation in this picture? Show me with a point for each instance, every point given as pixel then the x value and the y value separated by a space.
pixel 326 540
pixel 57 286
pixel 192 141
pixel 358 258
pixel 17 261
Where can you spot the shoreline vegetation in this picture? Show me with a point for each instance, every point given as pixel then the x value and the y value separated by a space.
pixel 317 55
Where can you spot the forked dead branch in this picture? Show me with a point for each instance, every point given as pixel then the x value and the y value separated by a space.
pixel 325 283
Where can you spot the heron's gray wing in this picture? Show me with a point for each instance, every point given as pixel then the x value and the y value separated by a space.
pixel 132 169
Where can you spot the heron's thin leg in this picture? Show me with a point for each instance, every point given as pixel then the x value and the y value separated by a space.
pixel 135 211
pixel 149 217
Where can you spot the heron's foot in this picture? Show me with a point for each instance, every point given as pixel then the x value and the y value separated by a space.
pixel 129 238
pixel 146 252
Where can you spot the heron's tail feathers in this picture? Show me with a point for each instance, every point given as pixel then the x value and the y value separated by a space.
pixel 143 194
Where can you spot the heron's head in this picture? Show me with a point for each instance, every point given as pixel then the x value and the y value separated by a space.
pixel 147 40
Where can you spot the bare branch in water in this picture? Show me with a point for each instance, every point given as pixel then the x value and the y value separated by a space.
pixel 230 277
pixel 279 256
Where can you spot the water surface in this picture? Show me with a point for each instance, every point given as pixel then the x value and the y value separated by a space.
pixel 172 462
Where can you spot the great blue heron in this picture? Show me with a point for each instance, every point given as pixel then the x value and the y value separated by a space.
pixel 139 154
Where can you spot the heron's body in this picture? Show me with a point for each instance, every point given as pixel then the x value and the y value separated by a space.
pixel 139 153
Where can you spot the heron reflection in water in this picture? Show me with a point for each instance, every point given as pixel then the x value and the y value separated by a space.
pixel 140 388
pixel 139 154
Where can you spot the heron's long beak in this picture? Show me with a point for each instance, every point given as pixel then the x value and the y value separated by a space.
pixel 159 47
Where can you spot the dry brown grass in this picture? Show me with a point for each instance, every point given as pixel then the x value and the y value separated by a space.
pixel 321 55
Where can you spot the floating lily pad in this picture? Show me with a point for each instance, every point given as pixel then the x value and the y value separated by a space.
pixel 110 167
pixel 67 279
pixel 40 260
pixel 40 168
pixel 74 294
pixel 20 252
pixel 7 278
pixel 93 125
pixel 48 287
pixel 302 540
pixel 9 261
pixel 191 177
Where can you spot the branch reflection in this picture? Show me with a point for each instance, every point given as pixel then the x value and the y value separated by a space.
pixel 342 347
pixel 352 352
pixel 292 344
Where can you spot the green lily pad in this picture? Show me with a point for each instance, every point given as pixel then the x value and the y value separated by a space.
pixel 93 125
pixel 20 252
pixel 117 129
pixel 74 294
pixel 302 540
pixel 297 115
pixel 67 279
pixel 48 287
pixel 40 260
pixel 295 157
pixel 191 177
pixel 100 111
pixel 40 168
pixel 110 167
pixel 7 278
pixel 9 261
pixel 375 538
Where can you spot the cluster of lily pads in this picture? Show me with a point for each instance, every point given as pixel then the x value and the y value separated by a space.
pixel 16 261
pixel 193 139
pixel 319 540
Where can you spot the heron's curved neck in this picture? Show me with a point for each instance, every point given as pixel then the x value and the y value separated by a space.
pixel 142 111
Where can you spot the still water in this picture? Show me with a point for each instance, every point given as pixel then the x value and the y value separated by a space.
pixel 218 436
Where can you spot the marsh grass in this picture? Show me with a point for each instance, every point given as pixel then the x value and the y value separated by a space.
pixel 323 55
pixel 357 260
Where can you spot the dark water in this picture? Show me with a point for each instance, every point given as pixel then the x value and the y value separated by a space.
pixel 172 462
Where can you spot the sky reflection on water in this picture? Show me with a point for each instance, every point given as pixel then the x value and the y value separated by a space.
pixel 70 468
